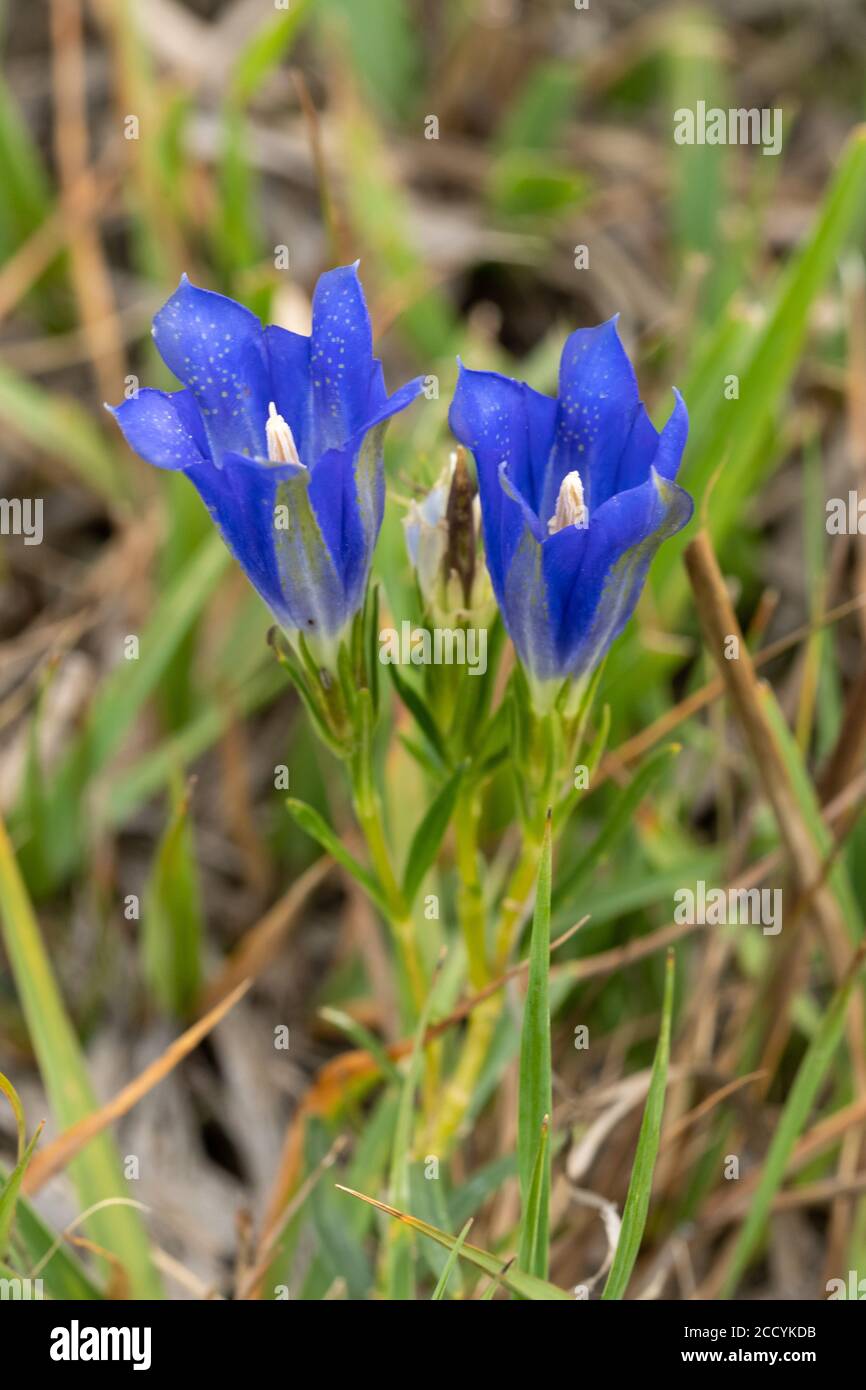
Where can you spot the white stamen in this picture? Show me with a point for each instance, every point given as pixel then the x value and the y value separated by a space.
pixel 281 441
pixel 571 510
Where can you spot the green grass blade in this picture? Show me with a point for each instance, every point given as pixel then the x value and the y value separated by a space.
pixel 14 1100
pixel 11 1189
pixel 738 432
pixel 96 1171
pixel 265 50
pixel 132 786
pixel 619 819
pixel 526 1285
pixel 62 427
pixel 534 1227
pixel 63 1276
pixel 172 930
pixel 640 1186
pixel 133 682
pixel 439 1292
pixel 535 1100
pixel 398 1261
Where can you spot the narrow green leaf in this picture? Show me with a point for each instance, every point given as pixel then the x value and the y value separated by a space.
pixel 738 434
pixel 308 819
pixel 640 1186
pixel 429 835
pixel 535 1101
pixel 25 201
pixel 364 1039
pixel 153 771
pixel 419 711
pixel 490 1292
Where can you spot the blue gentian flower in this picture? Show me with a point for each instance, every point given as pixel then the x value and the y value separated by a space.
pixel 282 436
pixel 577 494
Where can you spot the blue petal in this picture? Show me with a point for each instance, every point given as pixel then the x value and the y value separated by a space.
pixel 672 440
pixel 647 448
pixel 341 359
pixel 290 568
pixel 347 494
pixel 505 422
pixel 164 427
pixel 288 357
pixel 525 609
pixel 215 347
pixel 591 601
pixel 598 406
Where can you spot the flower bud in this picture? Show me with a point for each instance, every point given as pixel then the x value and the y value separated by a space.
pixel 442 535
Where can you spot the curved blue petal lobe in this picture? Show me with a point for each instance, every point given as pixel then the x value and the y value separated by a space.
pixel 347 493
pixel 503 421
pixel 672 440
pixel 622 539
pixel 598 400
pixel 163 427
pixel 340 357
pixel 214 346
pixel 646 448
pixel 288 357
pixel 241 499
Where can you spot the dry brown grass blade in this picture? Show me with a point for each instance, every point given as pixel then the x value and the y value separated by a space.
pixel 809 868
pixel 851 742
pixel 631 749
pixel 89 272
pixel 720 625
pixel 854 287
pixel 56 1155
pixel 260 945
pixel 333 214
pixel 117 1288
pixel 270 1246
pixel 673 1132
pixel 77 205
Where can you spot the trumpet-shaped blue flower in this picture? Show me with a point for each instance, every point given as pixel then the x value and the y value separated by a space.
pixel 577 494
pixel 282 436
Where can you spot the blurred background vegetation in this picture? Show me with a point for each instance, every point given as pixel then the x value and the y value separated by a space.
pixel 465 152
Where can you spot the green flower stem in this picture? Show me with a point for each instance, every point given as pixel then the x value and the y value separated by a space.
pixel 547 751
pixel 470 898
pixel 461 1087
pixel 515 902
pixel 368 810
pixel 484 1018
